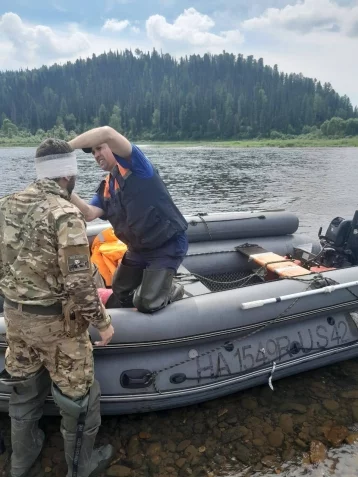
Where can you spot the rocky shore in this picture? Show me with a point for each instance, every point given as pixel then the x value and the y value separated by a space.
pixel 255 432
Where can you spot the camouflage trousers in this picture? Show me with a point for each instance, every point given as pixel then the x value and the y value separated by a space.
pixel 36 340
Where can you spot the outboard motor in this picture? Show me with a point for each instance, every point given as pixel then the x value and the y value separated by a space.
pixel 340 243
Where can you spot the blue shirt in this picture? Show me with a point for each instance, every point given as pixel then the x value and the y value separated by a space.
pixel 138 164
pixel 141 167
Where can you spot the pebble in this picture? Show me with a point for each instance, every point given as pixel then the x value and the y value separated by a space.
pixel 154 449
pixel 258 442
pixel 331 405
pixel 286 423
pixel 276 438
pixel 300 443
pixel 183 445
pixel 133 446
pixel 180 462
pixel 269 461
pixel 249 404
pixel 352 438
pixel 336 435
pixel 293 406
pixel 119 471
pixel 191 452
pixel 318 452
pixel 353 394
pixel 242 453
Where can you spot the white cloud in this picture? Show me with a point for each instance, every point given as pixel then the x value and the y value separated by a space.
pixel 191 28
pixel 308 16
pixel 31 42
pixel 115 25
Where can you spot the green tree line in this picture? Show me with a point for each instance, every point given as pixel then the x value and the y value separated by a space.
pixel 155 96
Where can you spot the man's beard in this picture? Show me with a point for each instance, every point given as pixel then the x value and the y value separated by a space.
pixel 71 184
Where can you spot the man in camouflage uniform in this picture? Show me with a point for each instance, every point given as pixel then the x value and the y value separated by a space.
pixel 50 300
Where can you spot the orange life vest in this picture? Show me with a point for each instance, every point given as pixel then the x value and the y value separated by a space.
pixel 107 252
pixel 106 191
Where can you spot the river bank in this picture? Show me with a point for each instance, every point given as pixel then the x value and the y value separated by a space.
pixel 300 141
pixel 255 432
pixel 258 143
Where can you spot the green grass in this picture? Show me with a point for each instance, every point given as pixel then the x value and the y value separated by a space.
pixel 300 141
pixel 32 141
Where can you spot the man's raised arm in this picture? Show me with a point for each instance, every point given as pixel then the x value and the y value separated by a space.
pixel 92 138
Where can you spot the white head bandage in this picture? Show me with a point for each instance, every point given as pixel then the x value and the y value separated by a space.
pixel 56 165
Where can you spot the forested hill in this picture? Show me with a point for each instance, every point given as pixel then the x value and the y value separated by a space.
pixel 155 96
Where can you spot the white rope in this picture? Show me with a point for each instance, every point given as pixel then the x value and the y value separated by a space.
pixel 56 165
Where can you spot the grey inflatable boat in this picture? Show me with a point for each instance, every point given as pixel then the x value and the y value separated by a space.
pixel 261 302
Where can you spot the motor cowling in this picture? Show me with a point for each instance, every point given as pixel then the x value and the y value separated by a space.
pixel 340 243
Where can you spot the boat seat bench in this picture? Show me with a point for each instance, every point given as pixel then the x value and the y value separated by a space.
pixel 273 262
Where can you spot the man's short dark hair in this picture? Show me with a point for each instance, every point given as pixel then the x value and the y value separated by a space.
pixel 53 146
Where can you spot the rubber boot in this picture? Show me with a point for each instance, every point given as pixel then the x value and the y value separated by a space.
pixel 82 460
pixel 25 409
pixel 101 458
pixel 157 290
pixel 125 281
pixel 27 442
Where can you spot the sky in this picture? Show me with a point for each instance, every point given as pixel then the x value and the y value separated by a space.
pixel 318 38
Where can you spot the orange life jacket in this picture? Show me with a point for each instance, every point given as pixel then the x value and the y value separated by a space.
pixel 106 192
pixel 107 252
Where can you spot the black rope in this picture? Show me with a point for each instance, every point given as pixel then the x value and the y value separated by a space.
pixel 200 214
pixel 217 348
pixel 206 225
pixel 316 277
pixel 211 280
pixel 188 276
pixel 257 368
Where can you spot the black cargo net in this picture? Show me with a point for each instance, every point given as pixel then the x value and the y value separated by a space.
pixel 229 280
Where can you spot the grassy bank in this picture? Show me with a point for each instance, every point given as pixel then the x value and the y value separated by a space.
pixel 300 141
pixel 20 142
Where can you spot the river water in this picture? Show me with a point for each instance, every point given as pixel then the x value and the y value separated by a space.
pixel 299 429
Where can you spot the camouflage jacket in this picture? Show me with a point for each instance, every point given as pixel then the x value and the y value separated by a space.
pixel 44 252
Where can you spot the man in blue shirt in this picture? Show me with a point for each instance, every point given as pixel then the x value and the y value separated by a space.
pixel 135 200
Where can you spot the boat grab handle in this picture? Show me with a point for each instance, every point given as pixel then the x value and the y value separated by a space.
pixel 136 378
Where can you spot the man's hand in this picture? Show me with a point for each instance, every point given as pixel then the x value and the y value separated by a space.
pixel 106 336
